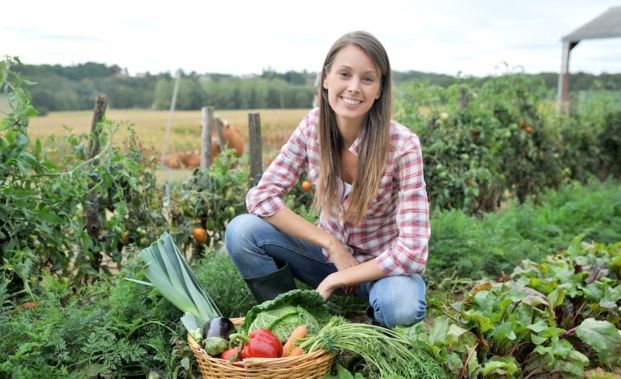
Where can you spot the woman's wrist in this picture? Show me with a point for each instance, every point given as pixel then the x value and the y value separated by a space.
pixel 330 243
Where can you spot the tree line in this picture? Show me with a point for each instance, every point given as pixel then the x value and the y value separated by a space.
pixel 63 88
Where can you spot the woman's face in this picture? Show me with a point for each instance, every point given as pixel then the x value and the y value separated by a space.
pixel 353 84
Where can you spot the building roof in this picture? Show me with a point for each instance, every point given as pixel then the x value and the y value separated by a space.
pixel 606 25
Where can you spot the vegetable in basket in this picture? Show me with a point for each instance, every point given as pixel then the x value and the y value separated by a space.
pixel 231 354
pixel 386 353
pixel 170 274
pixel 286 312
pixel 299 332
pixel 219 327
pixel 216 335
pixel 259 344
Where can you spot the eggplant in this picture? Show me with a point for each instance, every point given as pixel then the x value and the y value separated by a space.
pixel 218 327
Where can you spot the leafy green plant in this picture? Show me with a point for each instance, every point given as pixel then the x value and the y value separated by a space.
pixel 490 245
pixel 554 317
pixel 37 203
pixel 482 141
pixel 209 199
pixel 42 223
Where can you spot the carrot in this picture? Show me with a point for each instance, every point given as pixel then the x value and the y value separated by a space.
pixel 296 351
pixel 298 332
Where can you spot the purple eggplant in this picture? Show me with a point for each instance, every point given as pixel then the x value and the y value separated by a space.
pixel 218 327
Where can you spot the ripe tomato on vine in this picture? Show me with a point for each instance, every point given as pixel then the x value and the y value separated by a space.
pixel 199 234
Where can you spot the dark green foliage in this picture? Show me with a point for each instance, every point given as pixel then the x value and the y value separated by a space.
pixel 482 141
pixel 209 199
pixel 223 283
pixel 610 141
pixel 42 212
pixel 495 243
pixel 113 327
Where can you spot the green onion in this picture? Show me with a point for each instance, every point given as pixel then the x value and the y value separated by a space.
pixel 170 274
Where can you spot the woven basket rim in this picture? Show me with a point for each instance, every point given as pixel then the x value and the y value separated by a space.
pixel 309 365
pixel 254 361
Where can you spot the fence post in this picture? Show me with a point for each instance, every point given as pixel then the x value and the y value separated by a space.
pixel 254 136
pixel 93 213
pixel 206 123
pixel 219 126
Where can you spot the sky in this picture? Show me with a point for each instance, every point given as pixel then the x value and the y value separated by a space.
pixel 475 37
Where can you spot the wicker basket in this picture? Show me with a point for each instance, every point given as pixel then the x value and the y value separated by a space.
pixel 312 365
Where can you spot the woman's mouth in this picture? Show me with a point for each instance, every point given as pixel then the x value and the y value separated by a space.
pixel 351 101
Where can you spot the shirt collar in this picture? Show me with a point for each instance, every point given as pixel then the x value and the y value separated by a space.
pixel 355 147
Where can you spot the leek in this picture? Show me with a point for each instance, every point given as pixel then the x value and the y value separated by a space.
pixel 170 274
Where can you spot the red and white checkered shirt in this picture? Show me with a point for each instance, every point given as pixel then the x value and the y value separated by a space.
pixel 395 232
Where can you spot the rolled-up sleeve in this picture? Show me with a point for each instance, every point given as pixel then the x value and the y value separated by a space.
pixel 408 253
pixel 265 199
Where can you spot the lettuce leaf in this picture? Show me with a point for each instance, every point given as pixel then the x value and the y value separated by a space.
pixel 287 311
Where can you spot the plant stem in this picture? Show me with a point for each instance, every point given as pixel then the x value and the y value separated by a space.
pixel 463 368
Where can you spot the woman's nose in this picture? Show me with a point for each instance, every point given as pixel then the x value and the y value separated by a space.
pixel 354 85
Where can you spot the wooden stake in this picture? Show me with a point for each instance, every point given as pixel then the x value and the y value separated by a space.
pixel 254 135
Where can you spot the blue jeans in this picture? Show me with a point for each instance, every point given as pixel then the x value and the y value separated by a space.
pixel 258 248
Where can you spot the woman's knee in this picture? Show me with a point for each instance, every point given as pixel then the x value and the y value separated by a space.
pixel 399 301
pixel 240 232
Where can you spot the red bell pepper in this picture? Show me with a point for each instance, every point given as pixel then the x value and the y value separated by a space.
pixel 260 344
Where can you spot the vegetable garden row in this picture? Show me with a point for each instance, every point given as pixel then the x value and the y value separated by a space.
pixel 523 273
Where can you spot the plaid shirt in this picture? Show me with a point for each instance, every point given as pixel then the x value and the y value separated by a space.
pixel 395 232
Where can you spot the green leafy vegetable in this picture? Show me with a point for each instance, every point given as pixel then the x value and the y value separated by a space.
pixel 170 274
pixel 287 311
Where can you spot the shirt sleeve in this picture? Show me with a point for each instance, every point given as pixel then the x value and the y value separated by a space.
pixel 265 199
pixel 408 253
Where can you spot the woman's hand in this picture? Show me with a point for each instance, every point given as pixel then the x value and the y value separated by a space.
pixel 339 255
pixel 327 286
pixel 342 260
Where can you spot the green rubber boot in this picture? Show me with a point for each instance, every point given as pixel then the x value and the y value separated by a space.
pixel 271 285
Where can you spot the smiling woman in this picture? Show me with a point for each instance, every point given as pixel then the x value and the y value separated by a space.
pixel 367 174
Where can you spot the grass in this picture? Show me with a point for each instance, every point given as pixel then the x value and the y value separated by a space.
pixel 150 125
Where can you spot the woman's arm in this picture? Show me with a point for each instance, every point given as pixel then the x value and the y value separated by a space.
pixel 292 224
pixel 364 272
pixel 350 273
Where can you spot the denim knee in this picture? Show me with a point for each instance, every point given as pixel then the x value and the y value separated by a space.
pixel 239 233
pixel 399 300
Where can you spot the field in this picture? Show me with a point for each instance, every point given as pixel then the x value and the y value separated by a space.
pixel 150 126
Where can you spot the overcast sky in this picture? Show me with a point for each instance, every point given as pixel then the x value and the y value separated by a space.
pixel 475 37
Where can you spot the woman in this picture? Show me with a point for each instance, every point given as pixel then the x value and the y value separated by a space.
pixel 367 170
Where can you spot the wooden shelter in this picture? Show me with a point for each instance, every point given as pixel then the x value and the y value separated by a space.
pixel 606 25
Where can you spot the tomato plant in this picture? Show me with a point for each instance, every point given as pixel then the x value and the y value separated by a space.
pixel 210 198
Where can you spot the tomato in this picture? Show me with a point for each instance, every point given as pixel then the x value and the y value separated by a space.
pixel 199 234
pixel 306 186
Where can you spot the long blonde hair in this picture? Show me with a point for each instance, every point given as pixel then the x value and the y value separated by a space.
pixel 374 136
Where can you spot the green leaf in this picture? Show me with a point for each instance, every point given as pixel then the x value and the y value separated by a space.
pixel 538 327
pixel 505 367
pixel 483 322
pixel 438 331
pixel 556 297
pixel 603 337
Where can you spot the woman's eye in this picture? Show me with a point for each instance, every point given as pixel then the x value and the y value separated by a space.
pixel 343 74
pixel 369 79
